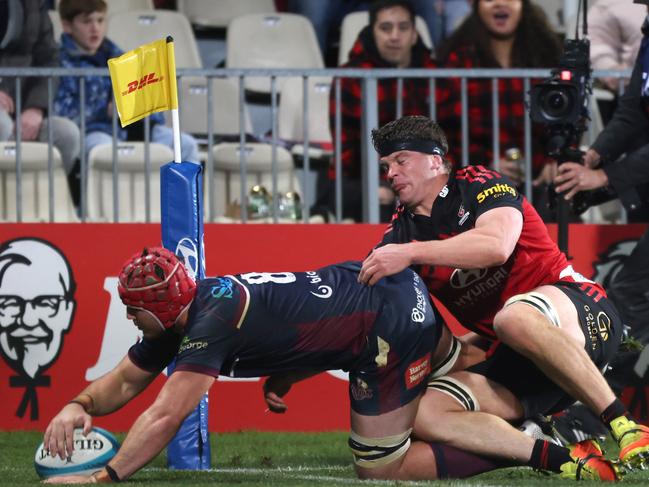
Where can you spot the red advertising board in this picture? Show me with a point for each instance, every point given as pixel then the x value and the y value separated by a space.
pixel 49 362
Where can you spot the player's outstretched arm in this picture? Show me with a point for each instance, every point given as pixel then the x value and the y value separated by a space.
pixel 108 393
pixel 153 429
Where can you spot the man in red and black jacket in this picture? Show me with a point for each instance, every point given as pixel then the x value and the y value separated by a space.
pixel 389 41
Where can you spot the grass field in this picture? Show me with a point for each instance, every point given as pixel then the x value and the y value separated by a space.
pixel 260 459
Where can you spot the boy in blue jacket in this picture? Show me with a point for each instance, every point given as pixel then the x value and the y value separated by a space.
pixel 84 45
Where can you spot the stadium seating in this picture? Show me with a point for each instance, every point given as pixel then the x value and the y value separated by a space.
pixel 115 6
pixel 219 13
pixel 227 181
pixel 279 40
pixel 354 22
pixel 131 177
pixel 131 29
pixel 225 109
pixel 290 125
pixel 34 184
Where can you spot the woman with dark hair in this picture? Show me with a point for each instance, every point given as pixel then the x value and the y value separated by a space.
pixel 497 34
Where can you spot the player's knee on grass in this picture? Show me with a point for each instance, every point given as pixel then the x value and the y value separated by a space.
pixel 378 457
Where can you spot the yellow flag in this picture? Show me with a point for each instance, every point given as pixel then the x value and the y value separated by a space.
pixel 144 81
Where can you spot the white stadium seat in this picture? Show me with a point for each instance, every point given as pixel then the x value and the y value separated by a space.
pixel 219 13
pixel 279 40
pixel 115 6
pixel 290 124
pixel 131 29
pixel 131 176
pixel 35 184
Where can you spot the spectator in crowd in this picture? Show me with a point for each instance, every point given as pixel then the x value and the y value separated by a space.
pixel 389 41
pixel 84 45
pixel 617 161
pixel 27 41
pixel 486 255
pixel 497 34
pixel 614 42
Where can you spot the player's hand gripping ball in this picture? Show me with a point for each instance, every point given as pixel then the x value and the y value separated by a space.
pixel 91 453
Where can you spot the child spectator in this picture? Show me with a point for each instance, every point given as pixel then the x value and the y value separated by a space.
pixel 84 45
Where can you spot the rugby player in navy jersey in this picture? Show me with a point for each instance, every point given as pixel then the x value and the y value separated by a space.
pixel 485 253
pixel 389 337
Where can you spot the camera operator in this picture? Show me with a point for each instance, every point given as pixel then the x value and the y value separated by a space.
pixel 628 177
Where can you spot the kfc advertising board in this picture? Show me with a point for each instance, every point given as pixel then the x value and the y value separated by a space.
pixel 62 324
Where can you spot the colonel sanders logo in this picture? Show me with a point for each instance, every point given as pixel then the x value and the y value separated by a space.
pixel 36 309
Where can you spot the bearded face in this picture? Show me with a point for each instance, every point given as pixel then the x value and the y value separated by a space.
pixel 36 305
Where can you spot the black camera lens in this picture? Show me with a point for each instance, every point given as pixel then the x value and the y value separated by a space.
pixel 556 102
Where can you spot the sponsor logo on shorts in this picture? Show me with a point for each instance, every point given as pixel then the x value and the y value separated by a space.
pixel 603 325
pixel 360 390
pixel 417 371
pixel 599 327
pixel 187 345
pixel 222 288
pixel 496 191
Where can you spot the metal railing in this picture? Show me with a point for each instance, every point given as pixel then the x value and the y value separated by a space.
pixel 370 168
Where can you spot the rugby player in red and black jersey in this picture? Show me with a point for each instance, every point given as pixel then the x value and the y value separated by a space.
pixel 484 252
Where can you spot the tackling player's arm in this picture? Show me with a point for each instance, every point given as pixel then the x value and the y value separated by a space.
pixel 105 395
pixel 488 244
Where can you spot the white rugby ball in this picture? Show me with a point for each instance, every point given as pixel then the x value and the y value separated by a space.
pixel 91 453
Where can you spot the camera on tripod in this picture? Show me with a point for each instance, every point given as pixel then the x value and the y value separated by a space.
pixel 561 102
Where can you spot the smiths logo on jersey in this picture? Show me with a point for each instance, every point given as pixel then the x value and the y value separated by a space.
pixel 496 191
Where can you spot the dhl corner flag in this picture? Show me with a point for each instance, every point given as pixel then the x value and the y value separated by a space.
pixel 144 81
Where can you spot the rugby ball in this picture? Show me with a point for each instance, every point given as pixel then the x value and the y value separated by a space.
pixel 91 453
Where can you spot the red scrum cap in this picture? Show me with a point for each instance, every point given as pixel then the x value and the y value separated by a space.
pixel 156 281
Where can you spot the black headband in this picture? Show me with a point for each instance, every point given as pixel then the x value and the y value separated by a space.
pixel 427 146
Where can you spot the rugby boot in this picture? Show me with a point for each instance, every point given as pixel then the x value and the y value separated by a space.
pixel 588 463
pixel 633 439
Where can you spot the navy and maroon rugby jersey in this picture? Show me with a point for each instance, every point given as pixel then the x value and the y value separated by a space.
pixel 474 296
pixel 257 324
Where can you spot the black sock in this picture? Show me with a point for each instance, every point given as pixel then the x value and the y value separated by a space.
pixel 453 463
pixel 548 456
pixel 614 410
